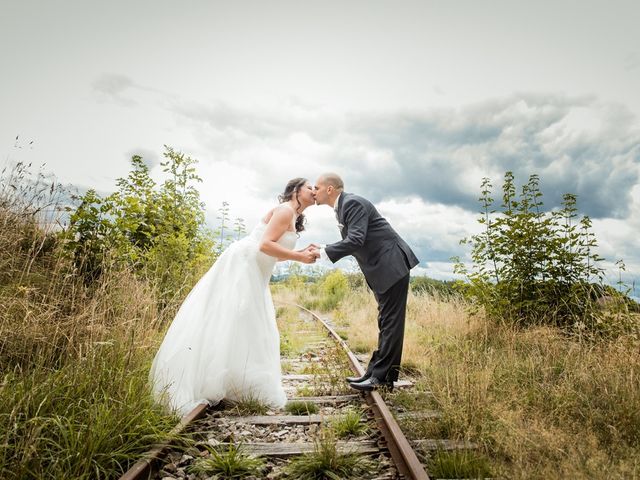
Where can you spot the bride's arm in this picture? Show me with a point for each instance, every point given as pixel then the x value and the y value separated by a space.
pixel 278 224
pixel 312 246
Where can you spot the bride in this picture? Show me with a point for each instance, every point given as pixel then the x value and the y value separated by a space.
pixel 224 341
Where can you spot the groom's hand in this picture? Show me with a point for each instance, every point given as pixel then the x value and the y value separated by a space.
pixel 313 248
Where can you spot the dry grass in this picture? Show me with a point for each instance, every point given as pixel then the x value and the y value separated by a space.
pixel 540 404
pixel 74 358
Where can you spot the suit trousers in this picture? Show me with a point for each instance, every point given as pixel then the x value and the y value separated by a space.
pixel 392 306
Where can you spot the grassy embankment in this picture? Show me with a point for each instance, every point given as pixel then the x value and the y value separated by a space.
pixel 539 403
pixel 74 359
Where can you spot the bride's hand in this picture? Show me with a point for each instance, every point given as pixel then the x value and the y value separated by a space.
pixel 310 247
pixel 308 255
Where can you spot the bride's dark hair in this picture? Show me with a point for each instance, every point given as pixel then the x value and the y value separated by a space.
pixel 293 187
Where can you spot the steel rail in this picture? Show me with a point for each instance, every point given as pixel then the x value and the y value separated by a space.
pixel 143 468
pixel 401 451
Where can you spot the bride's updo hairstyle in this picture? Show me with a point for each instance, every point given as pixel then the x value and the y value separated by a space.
pixel 293 187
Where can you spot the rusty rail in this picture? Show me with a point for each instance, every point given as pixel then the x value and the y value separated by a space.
pixel 401 451
pixel 143 468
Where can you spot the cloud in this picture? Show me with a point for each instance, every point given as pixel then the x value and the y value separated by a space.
pixel 576 144
pixel 433 230
pixel 112 84
pixel 113 87
pixel 423 169
pixel 120 89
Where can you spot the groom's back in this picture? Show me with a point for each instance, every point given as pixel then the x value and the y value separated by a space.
pixel 384 256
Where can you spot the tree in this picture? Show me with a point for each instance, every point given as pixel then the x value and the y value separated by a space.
pixel 530 265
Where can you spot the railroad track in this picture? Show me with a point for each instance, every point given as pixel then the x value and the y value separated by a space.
pixel 321 408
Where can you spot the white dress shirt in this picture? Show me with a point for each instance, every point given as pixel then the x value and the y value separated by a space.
pixel 323 254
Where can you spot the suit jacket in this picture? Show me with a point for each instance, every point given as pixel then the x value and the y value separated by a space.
pixel 383 256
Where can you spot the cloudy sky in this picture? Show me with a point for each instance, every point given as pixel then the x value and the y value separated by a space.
pixel 413 102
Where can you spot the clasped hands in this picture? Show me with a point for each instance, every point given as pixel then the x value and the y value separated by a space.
pixel 310 254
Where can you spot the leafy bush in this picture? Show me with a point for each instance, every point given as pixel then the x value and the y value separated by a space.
pixel 334 287
pixel 532 266
pixel 157 231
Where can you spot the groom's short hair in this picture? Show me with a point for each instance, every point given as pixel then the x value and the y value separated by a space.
pixel 334 180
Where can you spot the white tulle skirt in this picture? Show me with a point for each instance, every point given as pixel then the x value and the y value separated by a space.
pixel 224 341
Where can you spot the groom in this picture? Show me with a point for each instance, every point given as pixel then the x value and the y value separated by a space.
pixel 385 260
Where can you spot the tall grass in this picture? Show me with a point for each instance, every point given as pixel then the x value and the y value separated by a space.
pixel 74 358
pixel 540 403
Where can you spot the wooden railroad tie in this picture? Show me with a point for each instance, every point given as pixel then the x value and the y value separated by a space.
pixel 267 449
pixel 327 399
pixel 280 419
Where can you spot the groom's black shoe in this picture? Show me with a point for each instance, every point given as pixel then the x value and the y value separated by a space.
pixel 372 383
pixel 358 379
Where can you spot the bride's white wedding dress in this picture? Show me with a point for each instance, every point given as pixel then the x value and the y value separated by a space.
pixel 224 341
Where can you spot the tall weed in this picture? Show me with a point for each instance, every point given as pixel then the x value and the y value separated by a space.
pixel 74 355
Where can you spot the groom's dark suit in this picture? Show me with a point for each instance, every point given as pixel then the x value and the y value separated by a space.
pixel 385 260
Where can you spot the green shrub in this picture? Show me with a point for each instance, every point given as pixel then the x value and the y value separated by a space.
pixel 159 231
pixel 334 287
pixel 532 266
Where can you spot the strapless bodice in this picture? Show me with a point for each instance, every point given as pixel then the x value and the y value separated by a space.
pixel 267 262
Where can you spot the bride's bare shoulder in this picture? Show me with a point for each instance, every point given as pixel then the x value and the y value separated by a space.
pixel 282 211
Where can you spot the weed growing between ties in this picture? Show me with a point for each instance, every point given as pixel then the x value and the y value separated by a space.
pixel 230 463
pixel 350 424
pixel 329 373
pixel 299 407
pixel 305 391
pixel 326 461
pixel 248 405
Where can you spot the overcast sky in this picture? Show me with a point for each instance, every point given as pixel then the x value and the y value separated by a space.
pixel 413 102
